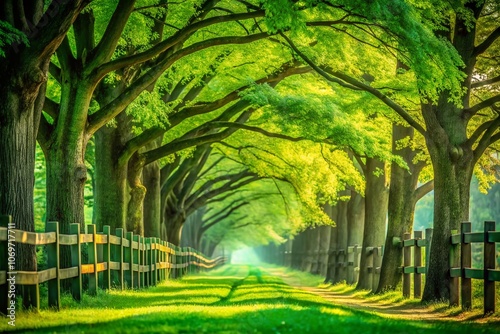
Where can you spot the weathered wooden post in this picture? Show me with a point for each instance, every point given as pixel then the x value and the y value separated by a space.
pixel 406 263
pixel 92 255
pixel 106 282
pixel 129 258
pixel 137 264
pixel 76 261
pixel 147 262
pixel 369 266
pixel 428 245
pixel 454 263
pixel 119 257
pixel 489 264
pixel 417 263
pixel 54 285
pixel 377 261
pixel 466 263
pixel 142 261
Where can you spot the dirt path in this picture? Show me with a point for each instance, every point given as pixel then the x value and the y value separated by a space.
pixel 394 311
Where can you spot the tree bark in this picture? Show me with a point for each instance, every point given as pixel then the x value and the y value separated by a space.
pixel 376 198
pixel 402 201
pixel 324 243
pixel 332 248
pixel 342 232
pixel 152 206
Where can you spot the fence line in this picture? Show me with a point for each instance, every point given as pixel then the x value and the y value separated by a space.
pixel 461 249
pixel 133 260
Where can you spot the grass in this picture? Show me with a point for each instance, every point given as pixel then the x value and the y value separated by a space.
pixel 232 299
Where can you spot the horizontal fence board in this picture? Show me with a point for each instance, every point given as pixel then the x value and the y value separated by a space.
pixel 456 272
pixel 45 275
pixel 126 243
pixel 494 236
pixel 114 265
pixel 86 238
pixel 87 268
pixel 494 275
pixel 422 242
pixel 114 240
pixel 68 272
pixel 126 266
pixel 101 239
pixel 409 242
pixel 68 239
pixel 456 239
pixel 474 273
pixel 102 266
pixel 473 237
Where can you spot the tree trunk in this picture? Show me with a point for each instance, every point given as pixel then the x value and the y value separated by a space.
pixel 332 248
pixel 355 219
pixel 110 192
pixel 18 126
pixel 452 177
pixel 342 231
pixel 137 194
pixel 376 198
pixel 402 201
pixel 152 207
pixel 356 223
pixel 313 250
pixel 324 243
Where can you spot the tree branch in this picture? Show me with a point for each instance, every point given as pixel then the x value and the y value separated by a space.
pixel 481 105
pixel 98 119
pixel 481 48
pixel 351 83
pixel 423 190
pixel 478 84
pixel 51 108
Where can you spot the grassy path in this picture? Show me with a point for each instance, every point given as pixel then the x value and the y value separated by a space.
pixel 232 299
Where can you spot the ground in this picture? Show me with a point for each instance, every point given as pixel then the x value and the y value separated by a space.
pixel 233 299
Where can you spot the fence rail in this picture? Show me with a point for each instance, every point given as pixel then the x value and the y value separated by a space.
pixel 133 261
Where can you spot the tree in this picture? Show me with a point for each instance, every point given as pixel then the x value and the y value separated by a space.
pixel 22 90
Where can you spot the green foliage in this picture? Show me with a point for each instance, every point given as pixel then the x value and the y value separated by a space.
pixel 10 35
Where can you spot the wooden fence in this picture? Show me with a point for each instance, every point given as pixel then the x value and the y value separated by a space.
pixel 412 250
pixel 461 268
pixel 344 261
pixel 132 260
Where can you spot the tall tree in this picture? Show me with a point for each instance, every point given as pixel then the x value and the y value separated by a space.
pixel 25 70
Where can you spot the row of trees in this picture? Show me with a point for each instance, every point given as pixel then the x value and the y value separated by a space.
pixel 243 118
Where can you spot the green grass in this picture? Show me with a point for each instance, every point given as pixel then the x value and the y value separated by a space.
pixel 232 299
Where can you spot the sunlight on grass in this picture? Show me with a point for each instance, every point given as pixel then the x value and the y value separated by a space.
pixel 232 299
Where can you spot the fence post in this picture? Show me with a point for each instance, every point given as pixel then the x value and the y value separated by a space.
pixel 129 258
pixel 356 251
pixel 428 245
pixel 54 285
pixel 92 249
pixel 454 282
pixel 417 263
pixel 147 261
pixel 377 261
pixel 489 263
pixel 406 263
pixel 76 261
pixel 119 257
pixel 106 282
pixel 466 262
pixel 142 259
pixel 135 275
